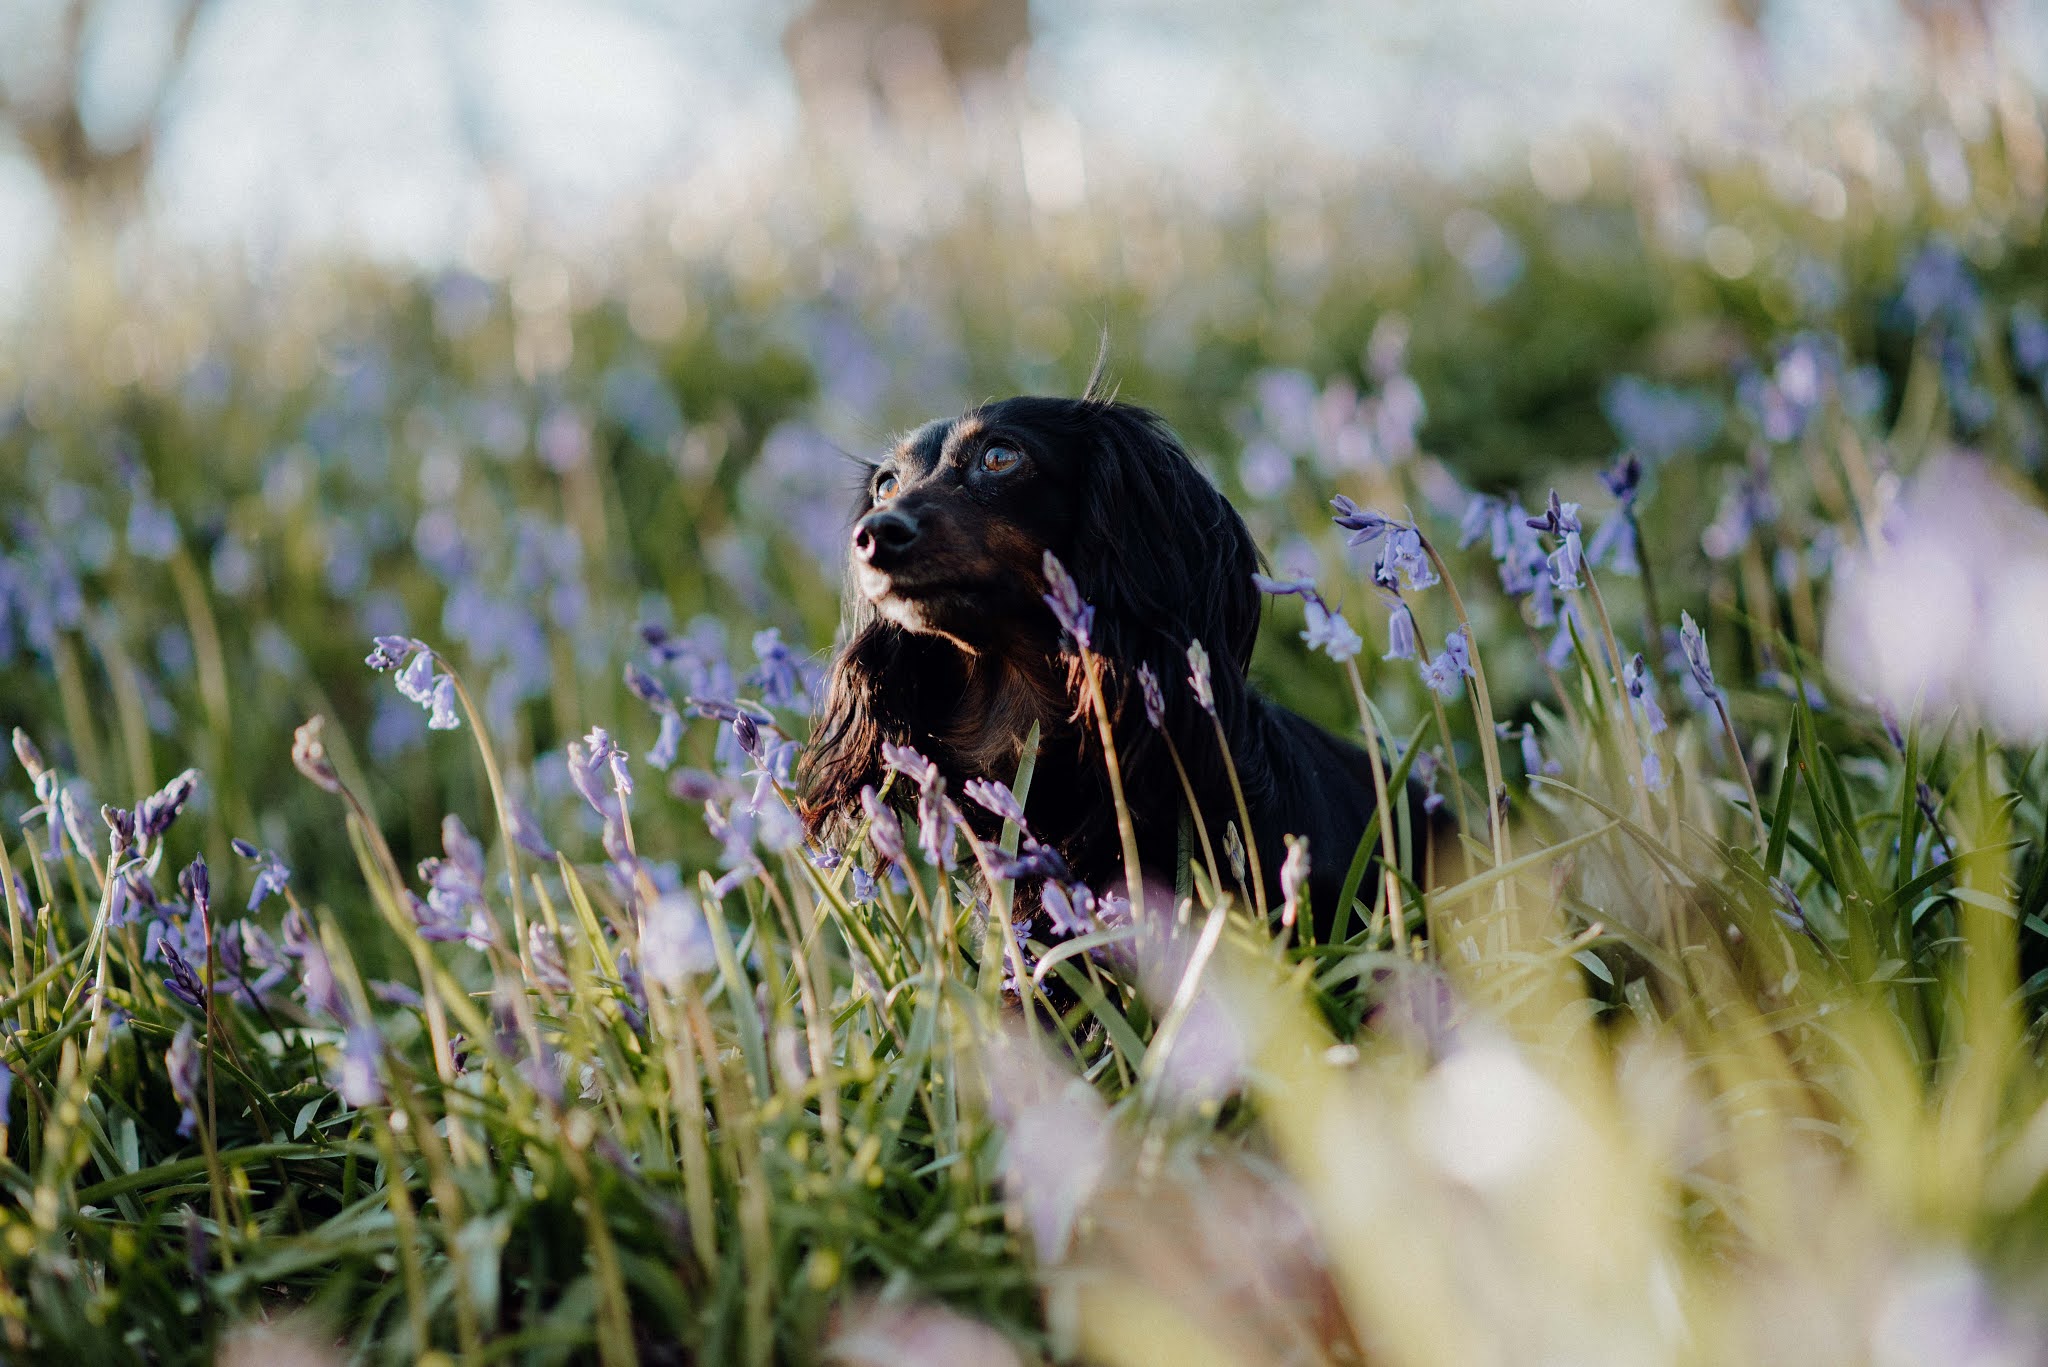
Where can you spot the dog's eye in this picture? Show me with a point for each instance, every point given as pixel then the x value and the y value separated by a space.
pixel 885 488
pixel 999 460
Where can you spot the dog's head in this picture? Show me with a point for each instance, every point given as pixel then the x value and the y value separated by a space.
pixel 951 537
pixel 945 571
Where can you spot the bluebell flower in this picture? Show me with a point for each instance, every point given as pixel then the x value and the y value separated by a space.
pixel 1032 860
pixel 885 832
pixel 1404 562
pixel 1074 614
pixel 527 834
pixel 444 717
pixel 1328 632
pixel 1642 693
pixel 356 1080
pixel 1614 545
pixel 1657 421
pixel 1694 643
pixel 1364 525
pixel 1402 643
pixel 864 888
pixel 1623 477
pixel 996 797
pixel 317 983
pixel 1070 910
pixel 183 982
pixel 195 884
pixel 154 815
pixel 396 994
pixel 182 1065
pixel 1653 772
pixel 1568 563
pixel 1939 287
pixel 937 826
pixel 152 528
pixel 545 952
pixel 780 676
pixel 675 940
pixel 1485 518
pixel 416 680
pixel 1443 675
pixel 1558 517
pixel 1534 761
pixel 1198 677
pixel 121 831
pixel 1155 699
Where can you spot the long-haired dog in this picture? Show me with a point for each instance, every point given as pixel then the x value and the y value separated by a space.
pixel 947 644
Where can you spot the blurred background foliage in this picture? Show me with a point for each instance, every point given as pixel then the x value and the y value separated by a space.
pixel 529 384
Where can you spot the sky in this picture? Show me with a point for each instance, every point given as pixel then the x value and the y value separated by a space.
pixel 303 125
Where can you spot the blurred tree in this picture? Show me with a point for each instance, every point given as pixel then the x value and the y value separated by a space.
pixel 895 54
pixel 84 85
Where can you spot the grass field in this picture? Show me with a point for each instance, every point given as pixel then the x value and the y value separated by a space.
pixel 482 999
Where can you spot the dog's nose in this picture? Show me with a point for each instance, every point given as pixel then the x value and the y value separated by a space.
pixel 883 535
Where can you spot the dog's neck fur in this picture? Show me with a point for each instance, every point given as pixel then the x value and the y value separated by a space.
pixel 1002 695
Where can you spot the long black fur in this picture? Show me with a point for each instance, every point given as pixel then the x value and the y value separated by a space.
pixel 1165 560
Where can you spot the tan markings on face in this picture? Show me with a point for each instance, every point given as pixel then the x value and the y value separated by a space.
pixel 962 435
pixel 1013 546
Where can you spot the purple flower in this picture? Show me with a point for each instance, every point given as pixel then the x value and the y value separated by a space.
pixel 864 887
pixel 1034 861
pixel 1074 614
pixel 675 941
pixel 1404 561
pixel 1642 693
pixel 589 761
pixel 937 827
pixel 996 797
pixel 121 829
pixel 157 811
pixel 356 1081
pixel 316 980
pixel 1568 563
pixel 1614 545
pixel 1533 761
pixel 396 994
pixel 1198 677
pixel 1071 910
pixel 1653 772
pixel 1485 517
pixel 183 983
pixel 389 652
pixel 549 968
pixel 1427 768
pixel 885 832
pixel 1623 477
pixel 1401 639
pixel 443 701
pixel 1446 673
pixel 1558 518
pixel 648 689
pixel 780 677
pixel 527 834
pixel 1328 632
pixel 272 876
pixel 1364 525
pixel 668 742
pixel 1155 700
pixel 1694 644
pixel 908 762
pixel 416 680
pixel 182 1063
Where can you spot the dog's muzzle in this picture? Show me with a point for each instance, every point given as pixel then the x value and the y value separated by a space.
pixel 884 537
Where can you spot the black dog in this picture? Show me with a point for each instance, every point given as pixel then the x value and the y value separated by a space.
pixel 949 647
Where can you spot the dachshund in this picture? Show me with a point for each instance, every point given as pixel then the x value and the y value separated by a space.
pixel 948 645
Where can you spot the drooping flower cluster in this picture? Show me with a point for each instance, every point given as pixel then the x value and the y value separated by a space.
pixel 414 662
pixel 1327 631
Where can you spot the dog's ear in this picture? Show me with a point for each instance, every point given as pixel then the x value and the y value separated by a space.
pixel 846 736
pixel 1162 554
pixel 884 685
